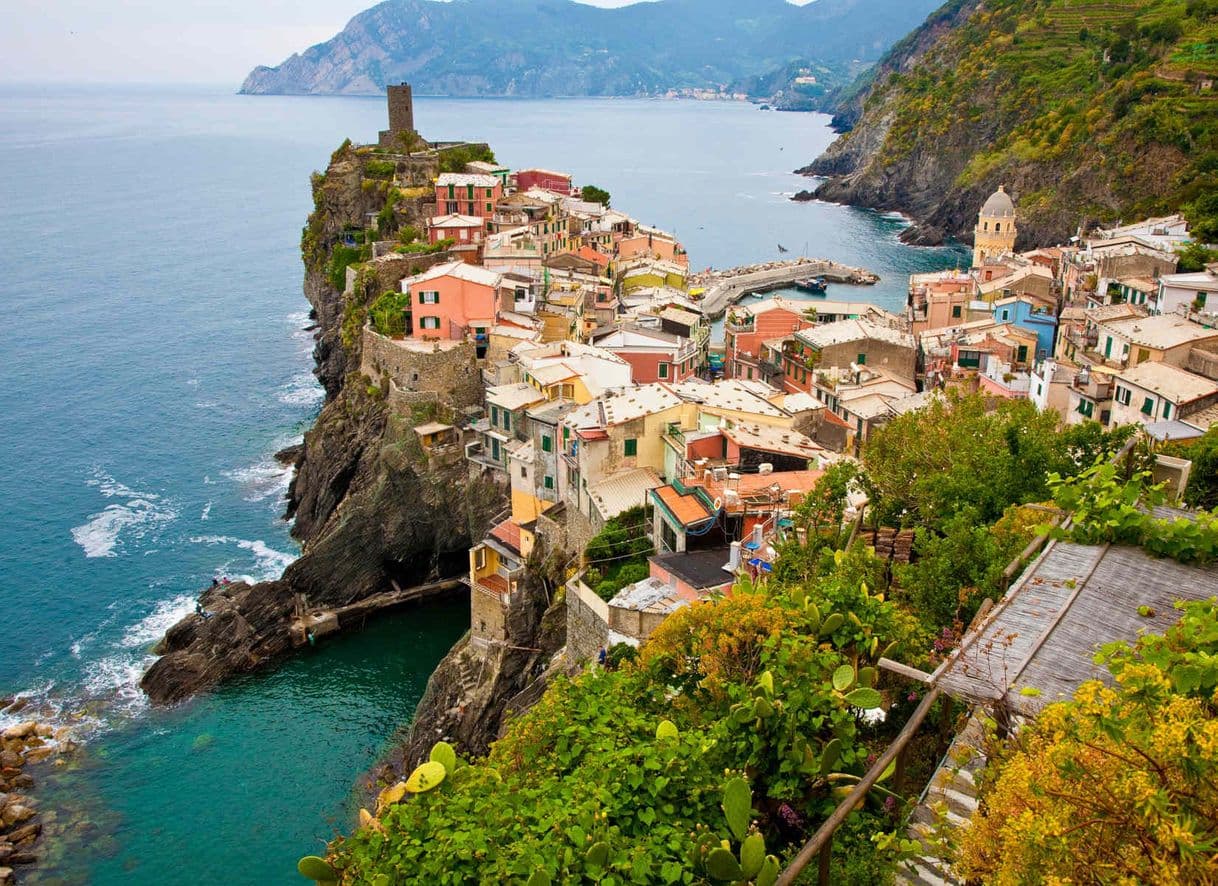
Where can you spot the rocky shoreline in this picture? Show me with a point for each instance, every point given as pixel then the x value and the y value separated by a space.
pixel 23 827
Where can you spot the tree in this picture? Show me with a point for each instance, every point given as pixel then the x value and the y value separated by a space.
pixel 1194 257
pixel 1119 784
pixel 1202 491
pixel 927 466
pixel 593 194
pixel 1202 215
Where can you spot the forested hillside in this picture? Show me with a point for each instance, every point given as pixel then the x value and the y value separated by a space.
pixel 1087 110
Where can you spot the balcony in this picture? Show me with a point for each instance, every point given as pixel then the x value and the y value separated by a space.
pixel 739 324
pixel 477 454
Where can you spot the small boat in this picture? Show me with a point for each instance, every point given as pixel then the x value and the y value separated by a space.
pixel 812 284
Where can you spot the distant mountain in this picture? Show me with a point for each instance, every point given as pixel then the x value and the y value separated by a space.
pixel 559 47
pixel 1087 110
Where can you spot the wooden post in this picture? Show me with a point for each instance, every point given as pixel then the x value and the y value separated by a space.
pixel 826 857
pixel 898 775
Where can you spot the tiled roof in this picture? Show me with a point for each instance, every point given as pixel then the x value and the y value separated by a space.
pixel 637 402
pixel 688 509
pixel 508 533
pixel 771 439
pixel 1168 381
pixel 1160 331
pixel 461 179
pixel 459 269
pixel 623 490
pixel 514 396
pixel 844 331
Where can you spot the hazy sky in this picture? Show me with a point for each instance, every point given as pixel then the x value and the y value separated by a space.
pixel 197 41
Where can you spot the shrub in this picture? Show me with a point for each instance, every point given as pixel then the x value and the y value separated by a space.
pixel 1119 784
pixel 387 313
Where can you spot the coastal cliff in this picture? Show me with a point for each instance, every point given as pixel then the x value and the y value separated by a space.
pixel 559 47
pixel 1085 113
pixel 372 510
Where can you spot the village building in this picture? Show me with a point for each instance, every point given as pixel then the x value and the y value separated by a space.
pixel 1049 386
pixel 1031 280
pixel 847 344
pixel 463 193
pixel 943 298
pixel 453 302
pixel 544 179
pixel 481 167
pixel 1166 233
pixel 1195 293
pixel 465 231
pixel 1161 338
pixel 653 355
pixel 1153 392
pixel 496 568
pixel 995 232
pixel 651 243
pixel 1033 315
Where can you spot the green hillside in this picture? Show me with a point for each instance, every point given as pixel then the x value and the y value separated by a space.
pixel 1088 109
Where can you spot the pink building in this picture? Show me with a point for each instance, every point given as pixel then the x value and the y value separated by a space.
pixel 547 180
pixel 462 193
pixel 650 243
pixel 466 231
pixel 653 355
pixel 453 301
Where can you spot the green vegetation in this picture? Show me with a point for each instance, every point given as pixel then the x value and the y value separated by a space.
pixel 735 730
pixel 342 257
pixel 593 194
pixel 415 248
pixel 1119 784
pixel 617 555
pixel 379 169
pixel 455 159
pixel 735 724
pixel 1202 491
pixel 387 312
pixel 1095 108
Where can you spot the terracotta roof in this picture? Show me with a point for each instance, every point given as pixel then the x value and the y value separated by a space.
pixel 755 484
pixel 689 509
pixel 508 533
pixel 495 583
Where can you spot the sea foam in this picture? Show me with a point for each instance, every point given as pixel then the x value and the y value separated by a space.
pixel 136 516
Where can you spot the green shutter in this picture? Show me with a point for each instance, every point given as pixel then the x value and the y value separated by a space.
pixel 549 482
pixel 862 360
pixel 663 370
pixel 1148 406
pixel 547 445
pixel 1166 410
pixel 632 447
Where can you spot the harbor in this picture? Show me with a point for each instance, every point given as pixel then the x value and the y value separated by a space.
pixel 724 288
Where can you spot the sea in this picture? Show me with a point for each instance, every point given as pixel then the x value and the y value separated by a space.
pixel 156 354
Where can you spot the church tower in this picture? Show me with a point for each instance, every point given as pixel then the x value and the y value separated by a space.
pixel 995 231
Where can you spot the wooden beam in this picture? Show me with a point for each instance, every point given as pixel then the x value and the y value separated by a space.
pixel 903 670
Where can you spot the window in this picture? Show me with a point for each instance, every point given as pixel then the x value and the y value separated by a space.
pixel 488 207
pixel 1148 406
pixel 750 372
pixel 429 298
pixel 632 447
pixel 524 473
pixel 997 227
pixel 955 312
pixel 488 192
pixel 1086 408
pixel 663 370
pixel 429 322
pixel 861 360
pixel 1143 355
pixel 1166 410
pixel 495 450
pixel 469 192
pixel 1021 356
pixel 480 558
pixel 494 415
pixel 566 433
pixel 507 420
pixel 548 482
pixel 452 192
pixel 1122 395
pixel 547 443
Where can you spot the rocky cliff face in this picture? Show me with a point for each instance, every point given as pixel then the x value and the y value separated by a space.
pixel 370 511
pixel 1039 97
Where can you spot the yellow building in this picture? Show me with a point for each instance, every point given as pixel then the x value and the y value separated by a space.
pixel 995 232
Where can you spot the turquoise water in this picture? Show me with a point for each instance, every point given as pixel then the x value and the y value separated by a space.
pixel 156 354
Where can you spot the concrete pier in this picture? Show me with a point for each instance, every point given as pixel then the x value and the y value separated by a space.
pixel 724 288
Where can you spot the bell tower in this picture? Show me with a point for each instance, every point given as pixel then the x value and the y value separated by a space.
pixel 995 232
pixel 401 115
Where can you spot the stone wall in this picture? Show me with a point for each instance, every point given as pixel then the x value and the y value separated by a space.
pixel 487 618
pixel 451 372
pixel 587 622
pixel 392 268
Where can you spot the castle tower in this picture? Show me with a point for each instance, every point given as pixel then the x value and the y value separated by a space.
pixel 995 231
pixel 401 115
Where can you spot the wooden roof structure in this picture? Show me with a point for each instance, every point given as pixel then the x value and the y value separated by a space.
pixel 1038 644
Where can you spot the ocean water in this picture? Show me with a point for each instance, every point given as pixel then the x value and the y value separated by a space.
pixel 156 354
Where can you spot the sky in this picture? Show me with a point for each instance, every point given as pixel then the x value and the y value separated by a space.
pixel 188 41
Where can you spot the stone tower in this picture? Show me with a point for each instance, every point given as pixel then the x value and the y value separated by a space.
pixel 401 115
pixel 995 231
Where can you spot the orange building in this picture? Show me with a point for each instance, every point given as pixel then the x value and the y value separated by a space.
pixel 453 301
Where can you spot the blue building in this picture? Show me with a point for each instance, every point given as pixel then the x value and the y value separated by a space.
pixel 1030 314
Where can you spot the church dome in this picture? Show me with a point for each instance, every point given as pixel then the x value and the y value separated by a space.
pixel 999 205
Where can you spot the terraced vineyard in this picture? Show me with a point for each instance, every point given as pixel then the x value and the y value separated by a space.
pixel 1087 110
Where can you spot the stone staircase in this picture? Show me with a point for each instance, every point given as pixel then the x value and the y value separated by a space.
pixel 948 804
